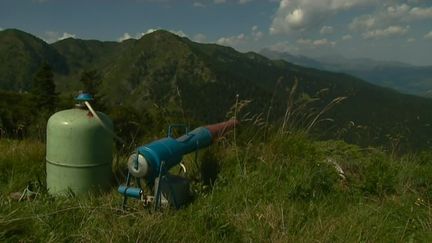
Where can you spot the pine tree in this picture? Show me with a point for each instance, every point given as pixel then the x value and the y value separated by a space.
pixel 43 89
pixel 91 81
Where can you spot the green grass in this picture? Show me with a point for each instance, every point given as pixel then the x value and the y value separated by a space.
pixel 284 190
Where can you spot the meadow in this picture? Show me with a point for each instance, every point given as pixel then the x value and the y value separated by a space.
pixel 286 188
pixel 289 173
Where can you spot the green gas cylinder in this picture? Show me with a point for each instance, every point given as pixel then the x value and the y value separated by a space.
pixel 78 151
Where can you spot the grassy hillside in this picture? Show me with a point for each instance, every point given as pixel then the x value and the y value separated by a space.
pixel 285 190
pixel 82 55
pixel 165 76
pixel 201 81
pixel 21 55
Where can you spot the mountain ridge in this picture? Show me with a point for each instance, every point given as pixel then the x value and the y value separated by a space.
pixel 19 49
pixel 201 81
pixel 405 78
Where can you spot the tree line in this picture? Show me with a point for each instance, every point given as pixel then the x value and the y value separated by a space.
pixel 25 114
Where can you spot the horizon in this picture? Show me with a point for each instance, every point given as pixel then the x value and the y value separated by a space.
pixel 316 58
pixel 389 31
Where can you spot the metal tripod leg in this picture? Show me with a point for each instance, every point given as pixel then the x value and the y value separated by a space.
pixel 158 188
pixel 128 179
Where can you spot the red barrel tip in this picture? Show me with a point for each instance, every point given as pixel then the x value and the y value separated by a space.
pixel 219 129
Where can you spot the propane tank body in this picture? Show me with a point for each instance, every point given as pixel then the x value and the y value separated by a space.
pixel 78 152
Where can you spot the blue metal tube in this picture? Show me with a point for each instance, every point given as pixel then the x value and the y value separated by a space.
pixel 130 192
pixel 171 150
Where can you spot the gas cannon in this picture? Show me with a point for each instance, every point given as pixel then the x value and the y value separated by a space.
pixel 152 162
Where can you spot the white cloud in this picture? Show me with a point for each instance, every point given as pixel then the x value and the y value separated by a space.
pixel 52 36
pixel 407 13
pixel 364 22
pixel 179 33
pixel 391 31
pixel 347 37
pixel 284 47
pixel 390 15
pixel 417 1
pixel 198 4
pixel 327 30
pixel 201 3
pixel 244 1
pixel 237 40
pixel 323 42
pixel 411 40
pixel 149 31
pixel 200 38
pixel 302 46
pixel 398 11
pixel 428 36
pixel 232 40
pixel 256 33
pixel 421 13
pixel 295 15
pixel 389 19
pixel 66 35
pixel 293 20
pixel 125 36
pixel 316 43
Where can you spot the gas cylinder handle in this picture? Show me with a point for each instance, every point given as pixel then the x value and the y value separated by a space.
pixel 111 132
pixel 173 126
pixel 183 168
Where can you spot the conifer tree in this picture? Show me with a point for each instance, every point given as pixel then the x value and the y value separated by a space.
pixel 43 89
pixel 91 81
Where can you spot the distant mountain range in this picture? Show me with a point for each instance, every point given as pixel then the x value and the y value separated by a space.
pixel 165 71
pixel 402 77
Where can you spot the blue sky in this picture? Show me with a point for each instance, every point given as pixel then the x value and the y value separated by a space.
pixel 396 30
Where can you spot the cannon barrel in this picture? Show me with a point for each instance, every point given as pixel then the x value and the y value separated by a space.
pixel 156 158
pixel 219 129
